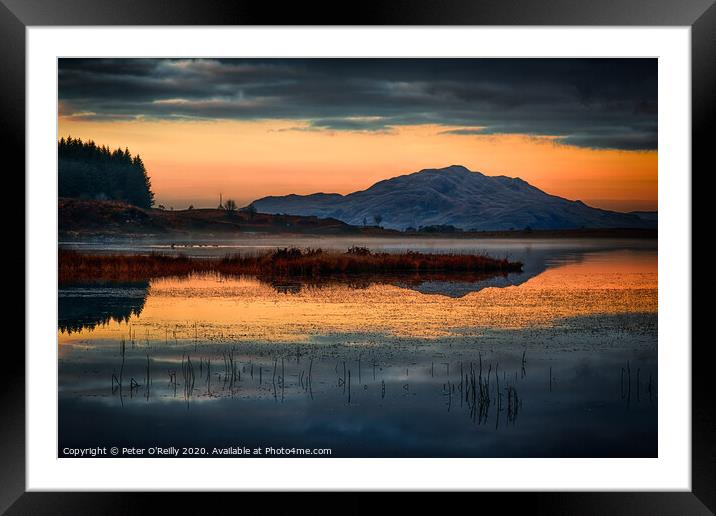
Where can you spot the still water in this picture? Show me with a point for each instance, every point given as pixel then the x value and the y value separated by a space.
pixel 557 361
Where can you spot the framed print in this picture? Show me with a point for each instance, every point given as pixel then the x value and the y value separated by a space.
pixel 367 255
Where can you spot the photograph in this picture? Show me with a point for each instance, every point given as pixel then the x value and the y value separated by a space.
pixel 357 257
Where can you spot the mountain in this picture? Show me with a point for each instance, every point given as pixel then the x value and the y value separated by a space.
pixel 453 196
pixel 647 215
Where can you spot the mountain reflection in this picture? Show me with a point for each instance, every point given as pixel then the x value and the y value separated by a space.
pixel 88 305
pixel 246 308
pixel 447 284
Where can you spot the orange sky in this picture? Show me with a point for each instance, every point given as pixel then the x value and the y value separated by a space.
pixel 191 162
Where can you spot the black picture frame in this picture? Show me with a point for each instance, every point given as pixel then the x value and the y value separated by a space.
pixel 17 15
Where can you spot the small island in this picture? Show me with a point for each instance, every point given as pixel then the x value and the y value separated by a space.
pixel 290 262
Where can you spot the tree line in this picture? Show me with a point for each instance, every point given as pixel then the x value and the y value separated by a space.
pixel 89 171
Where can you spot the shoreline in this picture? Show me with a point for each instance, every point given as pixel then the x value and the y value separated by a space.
pixel 641 234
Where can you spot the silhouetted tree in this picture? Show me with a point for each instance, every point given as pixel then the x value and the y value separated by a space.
pixel 88 171
pixel 230 205
pixel 378 219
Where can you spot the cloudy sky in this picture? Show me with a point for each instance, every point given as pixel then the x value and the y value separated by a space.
pixel 581 128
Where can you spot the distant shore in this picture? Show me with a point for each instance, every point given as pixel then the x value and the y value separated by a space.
pixel 544 233
pixel 82 220
pixel 189 237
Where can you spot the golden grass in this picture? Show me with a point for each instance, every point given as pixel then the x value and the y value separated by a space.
pixel 281 263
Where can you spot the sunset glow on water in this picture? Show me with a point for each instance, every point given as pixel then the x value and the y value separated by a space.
pixel 246 309
pixel 358 361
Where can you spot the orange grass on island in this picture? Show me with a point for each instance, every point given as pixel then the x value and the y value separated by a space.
pixel 281 263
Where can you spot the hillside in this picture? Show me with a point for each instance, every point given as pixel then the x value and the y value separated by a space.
pixel 453 196
pixel 647 215
pixel 113 218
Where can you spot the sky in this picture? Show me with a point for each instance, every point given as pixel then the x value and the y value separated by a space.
pixel 245 128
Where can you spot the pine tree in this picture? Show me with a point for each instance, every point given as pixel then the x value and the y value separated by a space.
pixel 88 171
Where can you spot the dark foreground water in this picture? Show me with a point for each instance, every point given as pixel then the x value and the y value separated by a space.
pixel 560 361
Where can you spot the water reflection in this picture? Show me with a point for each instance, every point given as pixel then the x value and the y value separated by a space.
pixel 84 306
pixel 456 284
pixel 245 309
pixel 537 254
pixel 563 364
pixel 509 395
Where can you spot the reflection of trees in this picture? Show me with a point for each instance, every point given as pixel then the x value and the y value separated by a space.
pixel 87 305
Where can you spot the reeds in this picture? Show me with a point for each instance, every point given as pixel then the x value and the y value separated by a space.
pixel 477 391
pixel 310 378
pixel 188 376
pixel 282 263
pixel 147 378
pixel 232 371
pixel 119 381
pixel 625 384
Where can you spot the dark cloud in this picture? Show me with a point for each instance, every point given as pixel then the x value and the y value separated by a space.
pixel 596 103
pixel 467 131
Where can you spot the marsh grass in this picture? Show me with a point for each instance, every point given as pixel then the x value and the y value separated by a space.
pixel 281 263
